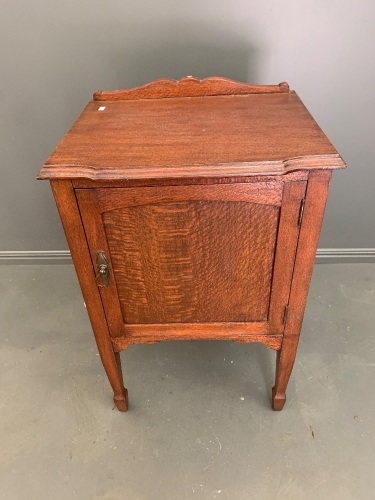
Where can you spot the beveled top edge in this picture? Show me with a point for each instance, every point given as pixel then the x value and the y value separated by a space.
pixel 189 87
pixel 277 167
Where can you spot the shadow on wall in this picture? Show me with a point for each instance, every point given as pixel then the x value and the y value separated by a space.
pixel 197 51
pixel 178 61
pixel 125 55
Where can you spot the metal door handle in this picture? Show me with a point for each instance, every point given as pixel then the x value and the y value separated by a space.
pixel 102 277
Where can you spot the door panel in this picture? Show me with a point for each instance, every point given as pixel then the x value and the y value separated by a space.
pixel 193 261
pixel 187 254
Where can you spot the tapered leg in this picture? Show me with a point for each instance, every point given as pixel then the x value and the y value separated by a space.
pixel 112 365
pixel 72 224
pixel 120 393
pixel 284 365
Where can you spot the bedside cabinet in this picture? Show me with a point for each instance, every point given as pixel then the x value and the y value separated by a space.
pixel 192 210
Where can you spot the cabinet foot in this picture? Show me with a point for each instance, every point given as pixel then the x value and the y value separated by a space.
pixel 121 401
pixel 278 400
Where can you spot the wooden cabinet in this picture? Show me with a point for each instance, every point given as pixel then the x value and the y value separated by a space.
pixel 192 210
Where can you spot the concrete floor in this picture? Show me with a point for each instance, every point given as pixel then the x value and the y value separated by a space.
pixel 200 424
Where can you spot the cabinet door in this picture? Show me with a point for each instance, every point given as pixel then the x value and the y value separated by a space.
pixel 186 257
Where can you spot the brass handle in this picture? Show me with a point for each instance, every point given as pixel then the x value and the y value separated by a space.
pixel 102 278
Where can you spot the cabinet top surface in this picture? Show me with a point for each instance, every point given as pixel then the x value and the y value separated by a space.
pixel 210 136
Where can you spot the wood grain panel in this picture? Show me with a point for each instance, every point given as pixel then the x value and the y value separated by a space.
pixel 193 261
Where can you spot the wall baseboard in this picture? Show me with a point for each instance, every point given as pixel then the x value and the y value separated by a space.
pixel 36 257
pixel 323 255
pixel 345 255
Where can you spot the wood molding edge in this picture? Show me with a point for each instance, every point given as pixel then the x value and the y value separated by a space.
pixel 189 87
pixel 277 167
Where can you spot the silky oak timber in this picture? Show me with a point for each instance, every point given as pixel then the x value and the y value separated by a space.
pixel 192 210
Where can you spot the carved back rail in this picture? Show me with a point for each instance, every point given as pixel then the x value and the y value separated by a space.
pixel 189 87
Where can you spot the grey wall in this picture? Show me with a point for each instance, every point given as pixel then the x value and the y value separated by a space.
pixel 55 54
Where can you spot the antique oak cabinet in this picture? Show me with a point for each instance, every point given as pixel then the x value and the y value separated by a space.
pixel 192 210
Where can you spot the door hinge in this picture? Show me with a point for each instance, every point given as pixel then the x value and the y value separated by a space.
pixel 301 209
pixel 286 309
